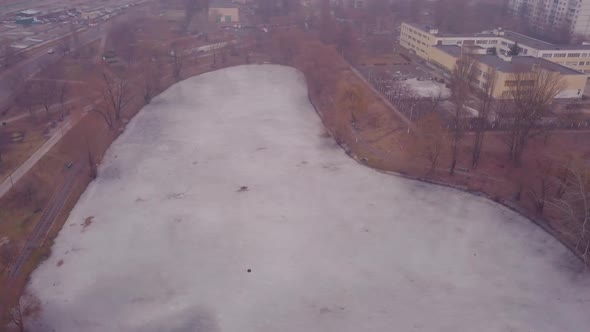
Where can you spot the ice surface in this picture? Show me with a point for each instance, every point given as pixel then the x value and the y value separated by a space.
pixel 332 245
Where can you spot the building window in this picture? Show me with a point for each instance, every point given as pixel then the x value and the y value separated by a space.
pixel 560 55
pixel 547 55
pixel 573 55
pixel 581 63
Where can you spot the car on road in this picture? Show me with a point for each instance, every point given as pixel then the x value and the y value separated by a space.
pixel 50 51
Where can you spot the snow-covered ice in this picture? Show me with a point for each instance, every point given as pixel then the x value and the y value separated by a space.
pixel 332 245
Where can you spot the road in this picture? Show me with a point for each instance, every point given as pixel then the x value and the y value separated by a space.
pixel 40 109
pixel 7 183
pixel 38 60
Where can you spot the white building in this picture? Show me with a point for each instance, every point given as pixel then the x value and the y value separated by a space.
pixel 574 14
pixel 420 38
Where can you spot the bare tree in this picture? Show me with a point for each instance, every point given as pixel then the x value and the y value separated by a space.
pixel 8 253
pixel 352 98
pixel 431 141
pixel 190 8
pixel 462 79
pixel 152 78
pixel 573 205
pixel 27 307
pixel 540 189
pixel 532 92
pixel 27 97
pixel 223 51
pixel 16 80
pixel 117 93
pixel 47 92
pixel 402 97
pixel 8 55
pixel 64 45
pixel 75 39
pixel 379 44
pixel 106 115
pixel 346 43
pixel 177 54
pixel 286 43
pixel 123 39
pixel 62 95
pixel 486 99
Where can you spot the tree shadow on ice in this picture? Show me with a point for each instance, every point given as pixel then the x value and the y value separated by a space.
pixel 195 319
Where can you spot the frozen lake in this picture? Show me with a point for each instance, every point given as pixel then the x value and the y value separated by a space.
pixel 332 245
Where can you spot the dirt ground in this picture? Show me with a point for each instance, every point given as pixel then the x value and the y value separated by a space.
pixel 390 59
pixel 19 140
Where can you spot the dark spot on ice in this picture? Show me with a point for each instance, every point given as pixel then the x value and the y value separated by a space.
pixel 249 270
pixel 242 189
pixel 87 222
pixel 110 173
pixel 331 167
pixel 176 196
pixel 195 321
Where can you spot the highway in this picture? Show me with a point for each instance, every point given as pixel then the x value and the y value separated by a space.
pixel 37 60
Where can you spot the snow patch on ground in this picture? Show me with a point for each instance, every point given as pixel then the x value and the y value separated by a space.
pixel 330 245
pixel 428 88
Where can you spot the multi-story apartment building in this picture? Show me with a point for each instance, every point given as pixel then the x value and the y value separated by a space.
pixel 490 49
pixel 420 38
pixel 574 14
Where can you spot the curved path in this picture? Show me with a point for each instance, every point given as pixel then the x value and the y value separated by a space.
pixel 165 239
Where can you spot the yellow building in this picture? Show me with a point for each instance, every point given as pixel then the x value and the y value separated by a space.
pixel 224 12
pixel 420 38
pixel 492 69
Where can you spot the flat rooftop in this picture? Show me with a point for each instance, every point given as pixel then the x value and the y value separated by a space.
pixel 522 63
pixel 222 4
pixel 510 35
pixel 517 64
pixel 453 50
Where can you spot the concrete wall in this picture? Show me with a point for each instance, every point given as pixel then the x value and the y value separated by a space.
pixel 416 40
pixel 221 14
pixel 442 59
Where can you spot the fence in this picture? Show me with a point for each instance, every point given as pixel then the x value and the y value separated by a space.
pixel 408 105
